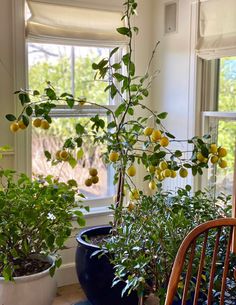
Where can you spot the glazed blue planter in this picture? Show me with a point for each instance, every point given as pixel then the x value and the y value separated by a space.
pixel 96 274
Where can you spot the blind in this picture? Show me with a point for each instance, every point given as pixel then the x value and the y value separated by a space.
pixel 217 29
pixel 66 23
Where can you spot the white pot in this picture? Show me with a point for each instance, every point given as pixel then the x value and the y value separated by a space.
pixel 35 289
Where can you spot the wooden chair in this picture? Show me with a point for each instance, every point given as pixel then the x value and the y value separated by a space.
pixel 189 246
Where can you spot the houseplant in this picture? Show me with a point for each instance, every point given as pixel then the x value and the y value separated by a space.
pixel 35 221
pixel 130 138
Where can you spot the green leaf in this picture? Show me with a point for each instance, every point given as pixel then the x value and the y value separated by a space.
pixel 121 108
pixel 51 94
pixel 162 115
pixel 80 154
pixel 70 102
pixel 126 59
pixel 118 76
pixel 111 125
pixel 79 142
pixel 124 31
pixel 178 153
pixel 29 111
pixel 79 129
pixel 132 68
pixel 114 51
pixel 130 111
pixel 10 117
pixel 113 91
pixel 145 92
pixel 36 92
pixel 48 155
pixel 24 98
pixel 72 162
pixel 25 120
pixel 171 136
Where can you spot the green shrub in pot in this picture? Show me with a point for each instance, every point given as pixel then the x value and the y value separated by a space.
pixel 35 218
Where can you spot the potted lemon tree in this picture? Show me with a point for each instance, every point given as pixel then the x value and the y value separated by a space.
pixel 132 141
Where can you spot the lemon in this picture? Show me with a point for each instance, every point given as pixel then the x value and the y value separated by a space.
pixel 223 163
pixel 200 157
pixel 152 185
pixel 22 125
pixel 94 179
pixel 148 131
pixel 44 124
pixel 167 173
pixel 14 127
pixel 163 165
pixel 93 172
pixel 156 135
pixel 131 171
pixel 131 206
pixel 173 174
pixel 58 157
pixel 183 172
pixel 88 182
pixel 222 152
pixel 134 194
pixel 64 155
pixel 113 156
pixel 151 169
pixel 213 148
pixel 164 142
pixel 214 159
pixel 37 122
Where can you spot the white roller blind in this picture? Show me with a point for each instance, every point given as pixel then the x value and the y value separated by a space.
pixel 217 29
pixel 67 23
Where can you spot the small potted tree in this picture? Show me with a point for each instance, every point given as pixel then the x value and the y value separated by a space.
pixel 35 221
pixel 131 139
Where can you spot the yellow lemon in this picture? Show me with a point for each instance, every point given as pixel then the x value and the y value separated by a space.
pixel 14 127
pixel 131 171
pixel 200 157
pixel 148 131
pixel 164 142
pixel 214 159
pixel 173 174
pixel 134 194
pixel 131 206
pixel 44 124
pixel 152 185
pixel 163 165
pixel 113 156
pixel 167 173
pixel 64 155
pixel 22 125
pixel 93 172
pixel 88 182
pixel 223 163
pixel 58 157
pixel 183 172
pixel 37 122
pixel 95 179
pixel 213 148
pixel 222 152
pixel 151 169
pixel 156 135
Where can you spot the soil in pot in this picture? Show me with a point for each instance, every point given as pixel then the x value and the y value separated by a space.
pixel 28 266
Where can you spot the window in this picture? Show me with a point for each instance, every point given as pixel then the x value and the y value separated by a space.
pixel 222 122
pixel 63 40
pixel 69 69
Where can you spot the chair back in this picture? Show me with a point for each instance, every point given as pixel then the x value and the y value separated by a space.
pixel 191 256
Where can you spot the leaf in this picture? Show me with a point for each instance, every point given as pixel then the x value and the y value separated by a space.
pixel 114 51
pixel 124 31
pixel 72 162
pixel 48 155
pixel 79 129
pixel 10 117
pixel 178 153
pixel 36 92
pixel 50 93
pixel 162 115
pixel 111 125
pixel 70 102
pixel 118 76
pixel 171 136
pixel 79 142
pixel 29 111
pixel 145 92
pixel 121 108
pixel 80 154
pixel 126 59
pixel 113 91
pixel 25 120
pixel 24 98
pixel 132 68
pixel 130 111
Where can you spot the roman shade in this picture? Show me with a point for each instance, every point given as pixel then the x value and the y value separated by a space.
pixel 217 29
pixel 70 23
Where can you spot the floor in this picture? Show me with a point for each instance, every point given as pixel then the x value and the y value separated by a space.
pixel 69 295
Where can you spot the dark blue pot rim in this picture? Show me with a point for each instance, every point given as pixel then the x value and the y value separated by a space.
pixel 93 231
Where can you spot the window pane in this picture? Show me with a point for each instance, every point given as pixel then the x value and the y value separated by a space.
pixel 53 140
pixel 85 85
pixel 49 63
pixel 226 131
pixel 227 84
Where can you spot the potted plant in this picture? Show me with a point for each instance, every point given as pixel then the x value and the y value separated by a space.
pixel 132 140
pixel 35 221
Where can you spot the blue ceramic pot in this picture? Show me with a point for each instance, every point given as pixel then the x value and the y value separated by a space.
pixel 96 274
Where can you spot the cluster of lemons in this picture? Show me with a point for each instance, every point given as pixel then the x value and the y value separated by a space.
pixel 93 179
pixel 216 155
pixel 156 135
pixel 19 125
